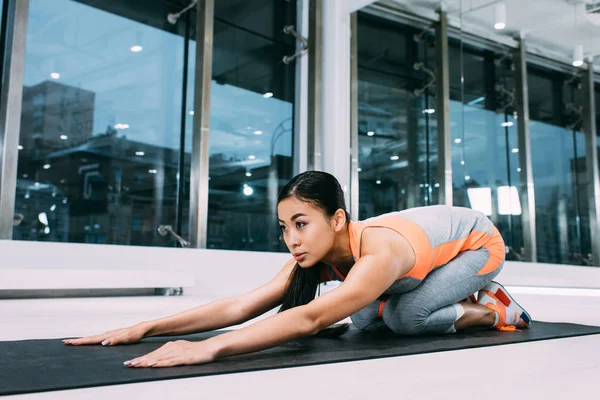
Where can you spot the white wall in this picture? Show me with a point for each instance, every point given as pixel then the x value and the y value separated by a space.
pixel 210 274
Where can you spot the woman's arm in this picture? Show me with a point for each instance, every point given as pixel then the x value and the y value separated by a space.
pixel 216 315
pixel 226 312
pixel 207 317
pixel 384 260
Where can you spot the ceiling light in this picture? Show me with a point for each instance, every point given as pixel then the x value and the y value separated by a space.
pixel 457 140
pixel 394 158
pixel 258 132
pixel 428 111
pixel 136 48
pixel 578 55
pixel 515 150
pixel 46 166
pixel 268 95
pixel 191 112
pixel 500 16
pixel 248 190
pixel 507 124
pixel 152 171
pixel 248 174
pixel 54 75
pixel 20 147
pixel 140 153
pixel 64 137
pixel 378 182
pixel 467 178
pixel 370 133
pixel 43 218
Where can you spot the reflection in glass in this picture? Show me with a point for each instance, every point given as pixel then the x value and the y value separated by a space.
pixel 558 164
pixel 483 126
pixel 101 124
pixel 396 113
pixel 251 124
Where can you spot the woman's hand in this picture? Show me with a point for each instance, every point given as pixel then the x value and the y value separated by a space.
pixel 180 352
pixel 132 334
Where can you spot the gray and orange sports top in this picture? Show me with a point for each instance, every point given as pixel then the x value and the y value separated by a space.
pixel 437 235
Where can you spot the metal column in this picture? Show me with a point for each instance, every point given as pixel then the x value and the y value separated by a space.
pixel 10 109
pixel 200 155
pixel 442 111
pixel 315 81
pixel 526 190
pixel 354 181
pixel 591 161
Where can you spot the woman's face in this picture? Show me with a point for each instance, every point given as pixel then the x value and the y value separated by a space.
pixel 308 233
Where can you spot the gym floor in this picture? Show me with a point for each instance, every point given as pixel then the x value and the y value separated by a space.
pixel 553 369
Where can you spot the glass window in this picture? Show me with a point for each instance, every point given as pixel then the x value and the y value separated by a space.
pixel 101 123
pixel 396 117
pixel 484 141
pixel 251 123
pixel 558 164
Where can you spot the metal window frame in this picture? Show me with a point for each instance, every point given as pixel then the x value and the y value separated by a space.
pixel 301 94
pixel 315 78
pixel 591 160
pixel 442 85
pixel 198 218
pixel 13 70
pixel 526 190
pixel 354 143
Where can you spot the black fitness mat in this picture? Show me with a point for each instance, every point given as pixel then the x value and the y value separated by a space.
pixel 43 365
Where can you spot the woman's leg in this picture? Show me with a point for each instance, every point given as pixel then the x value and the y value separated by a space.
pixel 435 306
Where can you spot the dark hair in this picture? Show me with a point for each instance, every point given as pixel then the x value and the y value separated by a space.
pixel 323 191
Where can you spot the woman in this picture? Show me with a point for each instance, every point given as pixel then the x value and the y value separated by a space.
pixel 411 271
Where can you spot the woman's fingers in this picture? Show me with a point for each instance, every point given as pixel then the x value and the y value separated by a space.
pixel 149 359
pixel 86 340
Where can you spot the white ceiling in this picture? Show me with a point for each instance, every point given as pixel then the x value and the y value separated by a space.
pixel 552 27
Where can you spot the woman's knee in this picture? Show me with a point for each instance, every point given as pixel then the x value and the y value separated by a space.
pixel 407 321
pixel 366 318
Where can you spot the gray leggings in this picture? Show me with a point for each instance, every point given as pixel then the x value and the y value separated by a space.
pixel 429 308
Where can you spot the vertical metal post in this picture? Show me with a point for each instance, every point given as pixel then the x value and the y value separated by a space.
pixel 184 114
pixel 10 109
pixel 591 161
pixel 354 181
pixel 200 140
pixel 443 110
pixel 526 190
pixel 301 93
pixel 315 81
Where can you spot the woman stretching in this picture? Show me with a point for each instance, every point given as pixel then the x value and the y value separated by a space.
pixel 412 271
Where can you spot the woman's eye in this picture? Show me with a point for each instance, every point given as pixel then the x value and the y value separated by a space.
pixel 282 227
pixel 300 224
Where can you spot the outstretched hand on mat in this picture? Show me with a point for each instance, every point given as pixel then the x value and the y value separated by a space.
pixel 129 335
pixel 180 352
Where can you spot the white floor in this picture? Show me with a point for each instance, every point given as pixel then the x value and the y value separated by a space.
pixel 554 369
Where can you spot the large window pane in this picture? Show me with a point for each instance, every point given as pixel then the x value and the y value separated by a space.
pixel 485 153
pixel 100 139
pixel 396 126
pixel 558 164
pixel 251 132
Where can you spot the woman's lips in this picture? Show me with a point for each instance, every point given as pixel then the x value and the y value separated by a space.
pixel 299 257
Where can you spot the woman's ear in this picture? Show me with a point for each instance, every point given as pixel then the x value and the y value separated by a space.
pixel 339 219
